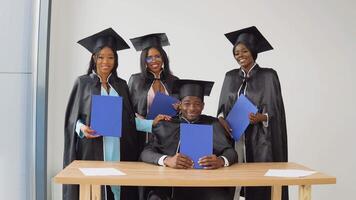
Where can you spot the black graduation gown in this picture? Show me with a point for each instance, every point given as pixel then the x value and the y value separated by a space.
pixel 76 148
pixel 165 141
pixel 262 144
pixel 138 87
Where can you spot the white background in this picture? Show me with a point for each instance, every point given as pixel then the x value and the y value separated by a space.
pixel 314 45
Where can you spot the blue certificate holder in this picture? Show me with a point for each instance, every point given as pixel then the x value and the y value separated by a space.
pixel 106 115
pixel 162 104
pixel 196 141
pixel 238 117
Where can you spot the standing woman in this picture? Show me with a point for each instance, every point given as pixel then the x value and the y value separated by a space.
pixel 155 76
pixel 80 141
pixel 265 139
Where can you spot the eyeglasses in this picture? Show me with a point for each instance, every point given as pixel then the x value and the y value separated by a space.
pixel 151 58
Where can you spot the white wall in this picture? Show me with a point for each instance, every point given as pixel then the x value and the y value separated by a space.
pixel 314 45
pixel 16 86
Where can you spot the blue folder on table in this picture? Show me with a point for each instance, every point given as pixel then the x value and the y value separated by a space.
pixel 106 115
pixel 238 117
pixel 162 104
pixel 196 141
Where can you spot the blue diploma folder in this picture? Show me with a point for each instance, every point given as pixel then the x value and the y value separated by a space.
pixel 162 104
pixel 106 115
pixel 196 141
pixel 238 117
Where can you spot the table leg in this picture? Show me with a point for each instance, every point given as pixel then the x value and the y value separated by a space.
pixel 304 192
pixel 85 190
pixel 276 192
pixel 96 192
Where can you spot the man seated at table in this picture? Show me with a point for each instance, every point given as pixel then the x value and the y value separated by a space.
pixel 163 149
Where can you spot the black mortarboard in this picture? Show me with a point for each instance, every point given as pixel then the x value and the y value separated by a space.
pixel 183 88
pixel 251 37
pixel 107 37
pixel 150 40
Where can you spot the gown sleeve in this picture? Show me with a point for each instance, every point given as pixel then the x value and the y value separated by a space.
pixel 223 145
pixel 165 138
pixel 225 96
pixel 277 121
pixel 71 117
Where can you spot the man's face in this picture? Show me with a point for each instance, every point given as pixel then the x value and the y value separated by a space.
pixel 191 107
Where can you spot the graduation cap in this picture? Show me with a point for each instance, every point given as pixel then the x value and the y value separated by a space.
pixel 183 88
pixel 150 40
pixel 251 37
pixel 107 37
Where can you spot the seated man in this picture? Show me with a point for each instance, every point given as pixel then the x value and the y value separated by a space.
pixel 163 149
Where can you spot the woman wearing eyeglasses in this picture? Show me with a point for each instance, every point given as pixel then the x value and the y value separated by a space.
pixel 155 76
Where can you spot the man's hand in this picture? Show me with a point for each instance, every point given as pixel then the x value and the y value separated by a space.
pixel 178 161
pixel 211 162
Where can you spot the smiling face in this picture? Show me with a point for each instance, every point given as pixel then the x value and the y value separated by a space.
pixel 191 107
pixel 104 60
pixel 154 60
pixel 243 56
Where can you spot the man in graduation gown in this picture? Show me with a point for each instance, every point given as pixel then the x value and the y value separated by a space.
pixel 164 148
pixel 79 107
pixel 265 139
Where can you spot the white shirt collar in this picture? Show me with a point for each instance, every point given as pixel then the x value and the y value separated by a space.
pixel 107 79
pixel 248 73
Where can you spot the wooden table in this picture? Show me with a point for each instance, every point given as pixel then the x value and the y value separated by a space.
pixel 142 174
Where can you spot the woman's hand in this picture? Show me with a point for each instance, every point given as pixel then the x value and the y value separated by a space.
pixel 211 162
pixel 256 118
pixel 176 106
pixel 161 117
pixel 179 161
pixel 88 132
pixel 228 130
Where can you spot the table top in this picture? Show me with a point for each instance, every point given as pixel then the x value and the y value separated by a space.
pixel 143 174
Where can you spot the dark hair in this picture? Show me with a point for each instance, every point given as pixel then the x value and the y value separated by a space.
pixel 254 55
pixel 92 64
pixel 144 53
